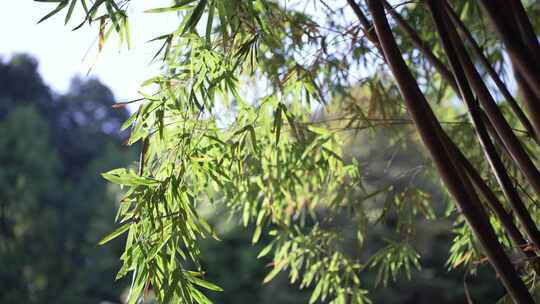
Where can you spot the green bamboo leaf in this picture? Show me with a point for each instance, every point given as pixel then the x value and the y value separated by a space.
pixel 278 122
pixel 199 297
pixel 178 7
pixel 209 24
pixel 127 34
pixel 122 177
pixel 316 292
pixel 207 285
pixel 253 138
pixel 60 6
pixel 90 13
pixel 204 284
pixel 84 6
pixel 277 269
pixel 129 121
pixel 115 234
pixel 256 235
pixel 245 215
pixel 265 251
pixel 194 17
pixel 113 16
pixel 70 10
pixel 271 275
pixel 137 286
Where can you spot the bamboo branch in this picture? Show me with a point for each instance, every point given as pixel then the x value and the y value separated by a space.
pixel 456 54
pixel 503 129
pixel 456 180
pixel 493 202
pixel 368 29
pixel 534 132
pixel 440 67
pixel 521 56
pixel 528 36
pixel 422 46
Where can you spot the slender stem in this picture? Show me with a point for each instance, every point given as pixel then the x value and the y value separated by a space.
pixel 521 56
pixel 503 129
pixel 368 29
pixel 524 25
pixel 477 50
pixel 422 46
pixel 528 36
pixel 532 102
pixel 456 180
pixel 492 201
pixel 456 53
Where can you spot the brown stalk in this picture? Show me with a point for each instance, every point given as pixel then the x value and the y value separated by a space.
pixel 534 131
pixel 417 41
pixel 505 217
pixel 532 103
pixel 422 46
pixel 528 36
pixel 524 25
pixel 503 129
pixel 520 54
pixel 456 180
pixel 456 53
pixel 368 29
pixel 493 202
pixel 447 75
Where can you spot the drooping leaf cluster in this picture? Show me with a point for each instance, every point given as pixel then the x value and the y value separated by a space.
pixel 254 104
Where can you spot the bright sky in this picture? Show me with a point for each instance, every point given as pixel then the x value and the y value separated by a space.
pixel 63 53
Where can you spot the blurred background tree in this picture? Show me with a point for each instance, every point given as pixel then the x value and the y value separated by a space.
pixel 54 206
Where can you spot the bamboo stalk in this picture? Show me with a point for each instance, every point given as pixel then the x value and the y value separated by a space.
pixel 493 202
pixel 528 36
pixel 455 179
pixel 368 29
pixel 422 46
pixel 503 129
pixel 534 130
pixel 447 75
pixel 457 55
pixel 417 41
pixel 439 66
pixel 519 53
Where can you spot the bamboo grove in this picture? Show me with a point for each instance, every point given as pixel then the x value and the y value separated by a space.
pixel 256 100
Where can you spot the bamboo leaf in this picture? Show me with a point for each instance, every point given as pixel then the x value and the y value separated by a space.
pixel 70 10
pixel 183 5
pixel 204 284
pixel 60 6
pixel 265 251
pixel 121 230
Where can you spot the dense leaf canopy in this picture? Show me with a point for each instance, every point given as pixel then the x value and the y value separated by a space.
pixel 255 103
